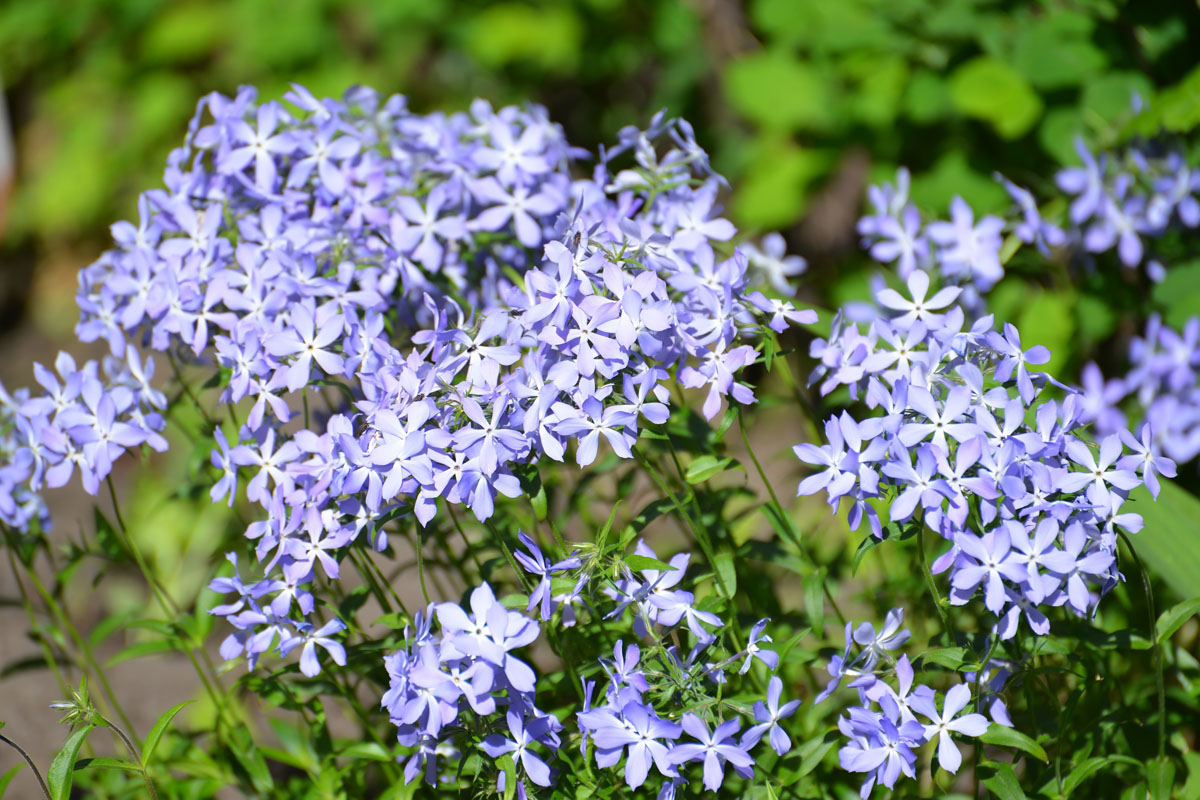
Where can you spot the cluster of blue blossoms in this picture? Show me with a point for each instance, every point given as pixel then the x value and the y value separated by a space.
pixel 465 680
pixel 1163 385
pixel 294 251
pixel 1118 201
pixel 963 442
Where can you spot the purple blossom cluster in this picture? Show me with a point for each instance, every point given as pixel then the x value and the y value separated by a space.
pixel 468 668
pixel 966 440
pixel 83 420
pixel 891 722
pixel 1164 383
pixel 296 249
pixel 1117 202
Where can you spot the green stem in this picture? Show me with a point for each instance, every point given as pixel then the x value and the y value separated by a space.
pixel 31 615
pixel 133 751
pixel 1160 686
pixel 933 590
pixel 171 610
pixel 793 536
pixel 37 774
pixel 187 389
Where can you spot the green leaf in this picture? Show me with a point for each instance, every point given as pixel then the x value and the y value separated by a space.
pixel 142 649
pixel 1168 544
pixel 705 467
pixel 1160 778
pixel 62 769
pixel 989 89
pixel 636 561
pixel 1052 59
pixel 156 733
pixel 949 657
pixel 372 751
pixel 1173 618
pixel 1178 294
pixel 107 763
pixel 774 89
pixel 1081 773
pixel 726 573
pixel 1109 96
pixel 1003 781
pixel 509 768
pixel 7 777
pixel 1007 737
pixel 814 599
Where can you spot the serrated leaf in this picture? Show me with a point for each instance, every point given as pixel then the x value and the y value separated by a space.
pixel 1003 781
pixel 705 467
pixel 62 769
pixel 160 727
pixel 1001 736
pixel 1173 618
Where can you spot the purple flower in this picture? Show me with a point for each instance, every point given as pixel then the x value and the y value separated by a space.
pixel 941 724
pixel 714 749
pixel 522 737
pixel 768 715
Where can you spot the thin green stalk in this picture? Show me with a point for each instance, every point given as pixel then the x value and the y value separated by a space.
pixel 171 610
pixel 187 389
pixel 792 537
pixel 27 603
pixel 133 751
pixel 933 591
pixel 417 546
pixel 37 774
pixel 1159 684
pixel 64 621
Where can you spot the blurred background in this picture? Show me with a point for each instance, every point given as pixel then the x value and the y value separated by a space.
pixel 801 103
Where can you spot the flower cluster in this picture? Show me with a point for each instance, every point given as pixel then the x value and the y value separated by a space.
pixel 1164 380
pixel 464 681
pixel 886 726
pixel 966 441
pixel 297 250
pixel 469 668
pixel 1117 201
pixel 84 419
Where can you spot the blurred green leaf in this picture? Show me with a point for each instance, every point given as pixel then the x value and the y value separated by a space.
pixel 505 33
pixel 1051 56
pixel 1173 618
pixel 62 769
pixel 1000 779
pixel 927 98
pixel 1168 544
pixel 705 467
pixel 1178 294
pixel 1109 96
pixel 991 90
pixel 779 92
pixel 1048 318
pixel 7 777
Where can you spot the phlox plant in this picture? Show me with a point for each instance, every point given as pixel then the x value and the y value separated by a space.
pixel 468 395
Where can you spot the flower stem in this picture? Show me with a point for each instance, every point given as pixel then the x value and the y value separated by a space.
pixel 1160 686
pixel 41 781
